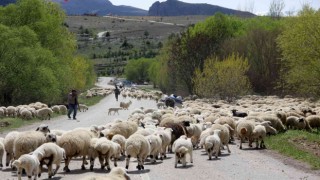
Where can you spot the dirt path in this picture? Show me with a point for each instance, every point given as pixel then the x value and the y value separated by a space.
pixel 240 164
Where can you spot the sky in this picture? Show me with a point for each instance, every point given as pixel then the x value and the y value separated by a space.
pixel 260 7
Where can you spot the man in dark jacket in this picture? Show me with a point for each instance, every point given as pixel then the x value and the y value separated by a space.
pixel 73 104
pixel 117 92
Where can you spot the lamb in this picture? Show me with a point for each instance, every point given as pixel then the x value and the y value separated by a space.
pixel 83 107
pixel 107 149
pixel 314 121
pixel 269 129
pixel 139 147
pixel 155 146
pixel 178 129
pixel 275 121
pixel 76 143
pixel 238 114
pixel 224 134
pixel 2 149
pixel 259 133
pixel 125 105
pixel 300 123
pixel 116 173
pixel 44 113
pixel 8 145
pixel 227 120
pixel 244 130
pixel 56 109
pixel 213 143
pixel 121 140
pixel 166 136
pixel 28 162
pixel 125 129
pixel 63 109
pixel 115 110
pixel 52 153
pixel 195 132
pixel 181 147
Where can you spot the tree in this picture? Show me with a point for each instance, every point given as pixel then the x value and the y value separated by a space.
pixel 225 79
pixel 300 47
pixel 275 9
pixel 137 70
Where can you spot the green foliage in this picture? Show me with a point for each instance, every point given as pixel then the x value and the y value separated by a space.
pixel 37 60
pixel 225 79
pixel 137 70
pixel 300 47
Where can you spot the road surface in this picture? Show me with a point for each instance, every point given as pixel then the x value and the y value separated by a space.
pixel 240 164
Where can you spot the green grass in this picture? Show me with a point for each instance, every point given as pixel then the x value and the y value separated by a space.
pixel 90 101
pixel 283 143
pixel 16 123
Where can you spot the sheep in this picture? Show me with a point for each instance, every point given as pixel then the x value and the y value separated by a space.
pixel 26 114
pixel 63 109
pixel 160 105
pixel 300 123
pixel 76 143
pixel 224 134
pixel 28 162
pixel 238 114
pixel 275 121
pixel 213 143
pixel 2 149
pixel 11 111
pixel 44 113
pixel 123 128
pixel 8 145
pixel 139 147
pixel 52 153
pixel 83 107
pixel 314 121
pixel 195 132
pixel 28 141
pixel 244 130
pixel 125 105
pixel 259 133
pixel 116 173
pixel 121 140
pixel 107 149
pixel 227 120
pixel 56 109
pixel 269 129
pixel 181 147
pixel 155 146
pixel 178 129
pixel 166 136
pixel 43 128
pixel 2 113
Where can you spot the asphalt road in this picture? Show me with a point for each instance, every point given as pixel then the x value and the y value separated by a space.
pixel 243 164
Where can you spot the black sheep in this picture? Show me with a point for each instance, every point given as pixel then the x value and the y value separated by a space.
pixel 238 114
pixel 178 129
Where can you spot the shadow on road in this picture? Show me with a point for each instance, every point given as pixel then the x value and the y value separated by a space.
pixel 139 172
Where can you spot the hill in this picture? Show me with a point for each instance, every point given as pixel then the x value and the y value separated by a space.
pixel 178 8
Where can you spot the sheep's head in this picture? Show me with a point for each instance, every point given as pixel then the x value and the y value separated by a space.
pixel 50 137
pixel 43 128
pixel 186 123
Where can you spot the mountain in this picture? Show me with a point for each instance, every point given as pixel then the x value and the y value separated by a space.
pixel 6 2
pixel 97 7
pixel 178 8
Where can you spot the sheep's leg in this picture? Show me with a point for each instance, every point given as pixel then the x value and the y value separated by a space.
pixel 139 163
pixel 241 140
pixel 228 148
pixel 108 162
pixel 101 160
pixel 91 163
pixel 36 171
pixel 262 144
pixel 8 158
pixel 29 173
pixel 127 161
pixel 19 173
pixel 115 162
pixel 191 156
pixel 67 161
pixel 257 143
pixel 209 152
pixel 83 163
pixel 56 170
pixel 184 160
pixel 176 161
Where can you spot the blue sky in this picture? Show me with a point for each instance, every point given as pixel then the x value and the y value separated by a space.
pixel 260 6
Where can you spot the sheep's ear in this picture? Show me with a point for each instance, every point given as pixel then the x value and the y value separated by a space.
pixel 38 129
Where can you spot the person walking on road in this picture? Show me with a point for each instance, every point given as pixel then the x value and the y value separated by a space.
pixel 73 104
pixel 117 92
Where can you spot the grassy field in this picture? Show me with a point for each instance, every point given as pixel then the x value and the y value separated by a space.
pixel 300 145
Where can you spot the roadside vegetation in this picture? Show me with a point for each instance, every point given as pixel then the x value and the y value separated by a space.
pixel 300 145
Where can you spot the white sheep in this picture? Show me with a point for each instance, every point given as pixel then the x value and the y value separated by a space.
pixel 28 141
pixel 244 130
pixel 224 134
pixel 181 147
pixel 166 136
pixel 125 105
pixel 43 128
pixel 139 147
pixel 28 162
pixel 83 107
pixel 52 153
pixel 194 131
pixel 160 105
pixel 121 140
pixel 123 128
pixel 76 143
pixel 44 113
pixel 300 123
pixel 26 114
pixel 56 109
pixel 107 149
pixel 259 133
pixel 11 111
pixel 314 121
pixel 63 109
pixel 8 145
pixel 2 149
pixel 213 143
pixel 155 146
pixel 116 173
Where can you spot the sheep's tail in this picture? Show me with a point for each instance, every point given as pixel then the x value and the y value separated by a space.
pixel 243 131
pixel 132 149
pixel 209 145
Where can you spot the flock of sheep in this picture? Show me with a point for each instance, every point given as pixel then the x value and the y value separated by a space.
pixel 152 133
